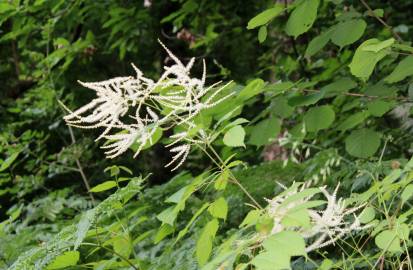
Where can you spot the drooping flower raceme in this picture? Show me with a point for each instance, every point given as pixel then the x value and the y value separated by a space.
pixel 319 227
pixel 131 109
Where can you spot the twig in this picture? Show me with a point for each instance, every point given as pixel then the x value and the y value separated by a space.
pixel 79 166
pixel 359 95
pixel 381 20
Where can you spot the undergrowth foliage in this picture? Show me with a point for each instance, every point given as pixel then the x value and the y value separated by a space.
pixel 302 162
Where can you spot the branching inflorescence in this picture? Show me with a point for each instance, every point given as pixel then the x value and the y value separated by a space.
pixel 325 226
pixel 132 109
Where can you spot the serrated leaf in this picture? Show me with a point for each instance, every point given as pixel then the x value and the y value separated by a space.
pixel 353 121
pixel 298 218
pixel 339 86
pixel 6 164
pixel 348 32
pixel 379 46
pixel 403 69
pixel 104 186
pixel 302 18
pixel 319 118
pixel 362 143
pixel 251 218
pixel 288 242
pixel 253 88
pixel 235 136
pixel 265 16
pixel 265 131
pixel 305 100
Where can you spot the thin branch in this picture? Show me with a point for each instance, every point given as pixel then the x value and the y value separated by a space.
pixel 371 12
pixel 79 166
pixel 360 95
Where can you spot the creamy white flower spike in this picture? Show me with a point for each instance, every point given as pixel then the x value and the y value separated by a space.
pixel 326 226
pixel 132 109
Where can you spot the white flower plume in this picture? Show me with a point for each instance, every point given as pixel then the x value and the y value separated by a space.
pixel 131 109
pixel 325 226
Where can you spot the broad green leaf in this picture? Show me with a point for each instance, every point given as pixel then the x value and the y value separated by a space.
pixel 279 86
pixel 265 16
pixel 262 34
pixel 403 69
pixel 317 43
pixel 265 131
pixel 367 215
pixel 379 46
pixel 326 265
pixel 407 193
pixel 251 218
pixel 378 107
pixel 235 136
pixel 5 164
pixel 353 120
pixel 362 143
pixel 69 258
pixel 288 242
pixel 122 245
pixel 204 243
pixel 157 135
pixel 302 18
pixel 339 86
pixel 348 32
pixel 363 62
pixel 219 208
pixel 5 7
pixel 388 241
pixel 305 100
pixel 281 108
pixel 319 118
pixel 104 186
pixel 253 88
pixel 168 215
pixel 271 261
pixel 298 218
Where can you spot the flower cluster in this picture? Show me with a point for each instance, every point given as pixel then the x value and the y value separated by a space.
pixel 325 226
pixel 137 107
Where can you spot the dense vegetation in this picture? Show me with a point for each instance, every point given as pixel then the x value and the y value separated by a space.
pixel 292 151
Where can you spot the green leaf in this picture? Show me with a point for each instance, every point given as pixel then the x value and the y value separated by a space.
pixel 204 243
pixel 388 241
pixel 235 136
pixel 407 193
pixel 163 232
pixel 6 164
pixel 363 62
pixel 402 70
pixel 302 18
pixel 265 16
pixel 348 32
pixel 265 131
pixel 299 218
pixel 305 100
pixel 318 118
pixel 379 46
pixel 326 265
pixel 339 86
pixel 353 120
pixel 168 215
pixel 367 215
pixel 288 242
pixel 262 34
pixel 122 245
pixel 104 186
pixel 378 107
pixel 219 208
pixel 271 261
pixel 317 43
pixel 362 143
pixel 69 258
pixel 253 88
pixel 251 218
